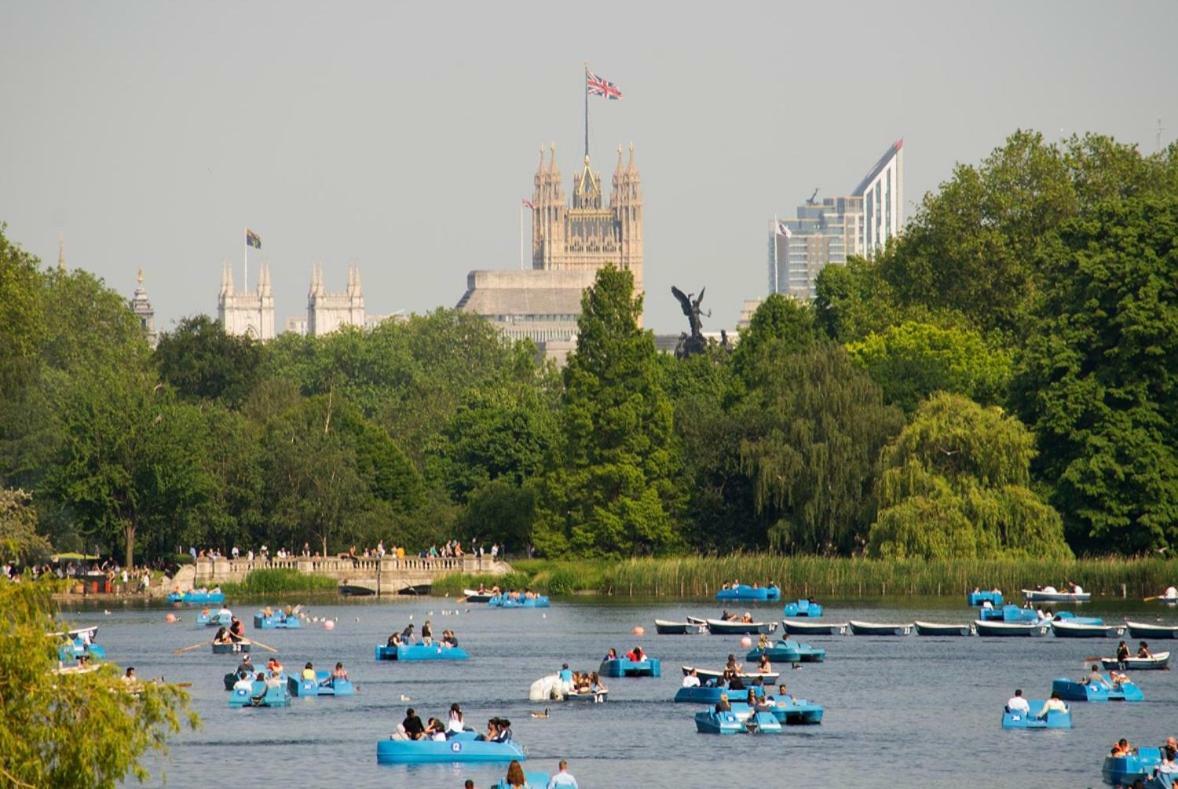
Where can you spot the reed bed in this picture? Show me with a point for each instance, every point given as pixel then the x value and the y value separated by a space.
pixel 807 576
pixel 279 581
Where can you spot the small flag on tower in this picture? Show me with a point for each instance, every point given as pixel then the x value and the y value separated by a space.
pixel 527 203
pixel 252 239
pixel 601 87
pixel 783 230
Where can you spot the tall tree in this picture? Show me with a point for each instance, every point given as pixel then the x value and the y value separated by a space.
pixel 780 325
pixel 612 489
pixel 19 540
pixel 1099 379
pixel 22 316
pixel 955 484
pixel 202 362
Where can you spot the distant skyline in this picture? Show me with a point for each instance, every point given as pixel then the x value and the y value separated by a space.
pixel 401 137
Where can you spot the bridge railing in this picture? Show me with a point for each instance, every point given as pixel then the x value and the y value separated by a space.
pixel 340 567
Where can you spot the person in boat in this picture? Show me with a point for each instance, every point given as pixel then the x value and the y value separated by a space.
pixel 566 675
pixel 636 655
pixel 223 612
pixel 204 613
pixel 596 686
pixel 246 665
pixel 1122 655
pixel 222 636
pixel 751 699
pixel 1121 748
pixel 394 640
pixel 267 612
pixel 1143 651
pixel 732 665
pixel 492 730
pixel 1171 593
pixel 612 654
pixel 412 727
pixel 245 682
pixel 1053 704
pixel 1017 703
pixel 503 734
pixel 1097 679
pixel 763 642
pixel 987 605
pixel 1169 764
pixel 726 586
pixel 691 680
pixel 275 666
pixel 763 667
pixel 434 730
pixel 515 777
pixel 309 671
pixel 735 682
pixel 456 722
pixel 723 705
pixel 725 616
pixel 449 639
pixel 407 634
pixel 236 631
pixel 129 676
pixel 427 633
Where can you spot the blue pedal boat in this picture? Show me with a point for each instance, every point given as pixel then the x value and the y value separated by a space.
pixel 1124 770
pixel 806 608
pixel 459 748
pixel 278 620
pixel 75 649
pixel 322 685
pixel 622 667
pixel 1009 613
pixel 1073 690
pixel 1027 720
pixel 786 710
pixel 976 599
pixel 503 601
pixel 710 694
pixel 262 695
pixel 419 651
pixel 750 593
pixel 197 597
pixel 214 620
pixel 712 722
pixel 788 652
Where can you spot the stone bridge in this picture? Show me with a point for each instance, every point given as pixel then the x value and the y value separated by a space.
pixel 387 576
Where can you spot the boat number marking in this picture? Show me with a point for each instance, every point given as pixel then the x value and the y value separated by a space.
pixel 456 747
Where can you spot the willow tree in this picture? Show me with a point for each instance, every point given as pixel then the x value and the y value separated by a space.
pixel 72 729
pixel 813 430
pixel 612 487
pixel 955 484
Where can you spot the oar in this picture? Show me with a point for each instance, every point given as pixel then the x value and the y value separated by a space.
pixel 256 642
pixel 197 645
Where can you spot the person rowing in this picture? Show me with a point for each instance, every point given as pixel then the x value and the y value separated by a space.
pixel 1143 651
pixel 236 631
pixel 222 636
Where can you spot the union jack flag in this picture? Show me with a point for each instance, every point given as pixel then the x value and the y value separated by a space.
pixel 527 203
pixel 601 87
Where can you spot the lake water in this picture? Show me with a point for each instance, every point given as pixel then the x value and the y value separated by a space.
pixel 899 711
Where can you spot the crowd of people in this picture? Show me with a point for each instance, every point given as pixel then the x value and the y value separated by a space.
pixel 412 727
pixel 406 636
pixel 1168 767
pixel 582 682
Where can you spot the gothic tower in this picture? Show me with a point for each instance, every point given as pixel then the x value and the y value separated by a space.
pixel 327 312
pixel 243 313
pixel 140 305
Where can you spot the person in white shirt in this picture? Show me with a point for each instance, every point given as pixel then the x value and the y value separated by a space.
pixel 1018 704
pixel 691 680
pixel 1053 704
pixel 563 778
pixel 244 682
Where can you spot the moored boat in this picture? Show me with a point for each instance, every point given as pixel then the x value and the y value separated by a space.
pixel 1143 630
pixel 879 629
pixel 1158 661
pixel 323 685
pixel 802 607
pixel 474 596
pixel 795 628
pixel 1064 628
pixel 941 629
pixel 261 695
pixel 231 648
pixel 1055 719
pixel 1126 770
pixel 1049 594
pixel 665 628
pixel 624 667
pixel 717 677
pixel 459 748
pixel 1009 629
pixel 419 651
pixel 727 627
pixel 975 599
pixel 750 593
pixel 1074 690
pixel 788 652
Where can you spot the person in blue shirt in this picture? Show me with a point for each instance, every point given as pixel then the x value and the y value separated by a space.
pixel 566 675
pixel 563 778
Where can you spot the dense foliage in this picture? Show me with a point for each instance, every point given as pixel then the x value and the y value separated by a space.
pixel 1038 285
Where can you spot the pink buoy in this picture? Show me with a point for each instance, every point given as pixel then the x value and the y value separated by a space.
pixel 329 625
pixel 746 642
pixel 638 630
pixel 169 617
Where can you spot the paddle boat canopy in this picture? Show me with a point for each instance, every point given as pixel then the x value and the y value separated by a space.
pixel 993 597
pixel 1074 690
pixel 788 652
pixel 710 694
pixel 278 619
pixel 623 667
pixel 72 650
pixel 806 608
pixel 1159 661
pixel 198 597
pixel 1028 720
pixel 461 747
pixel 750 593
pixel 1124 770
pixel 261 695
pixel 323 685
pixel 420 651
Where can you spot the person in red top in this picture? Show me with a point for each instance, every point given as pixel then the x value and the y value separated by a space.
pixel 636 655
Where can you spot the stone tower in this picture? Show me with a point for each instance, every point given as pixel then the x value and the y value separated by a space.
pixel 327 312
pixel 140 305
pixel 588 235
pixel 246 314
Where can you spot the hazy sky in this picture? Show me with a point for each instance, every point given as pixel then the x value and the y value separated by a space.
pixel 402 136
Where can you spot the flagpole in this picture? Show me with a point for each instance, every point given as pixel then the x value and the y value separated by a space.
pixel 245 260
pixel 521 236
pixel 586 110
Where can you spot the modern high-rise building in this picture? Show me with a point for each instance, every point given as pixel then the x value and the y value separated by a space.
pixel 830 231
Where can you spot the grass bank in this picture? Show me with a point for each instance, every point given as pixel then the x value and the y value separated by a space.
pixel 806 576
pixel 269 582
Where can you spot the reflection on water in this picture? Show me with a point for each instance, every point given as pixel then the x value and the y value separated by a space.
pixel 899 711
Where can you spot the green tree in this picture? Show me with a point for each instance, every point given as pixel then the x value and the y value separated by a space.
pixel 1098 381
pixel 22 316
pixel 955 484
pixel 499 511
pixel 72 729
pixel 612 488
pixel 19 540
pixel 912 360
pixel 812 436
pixel 201 362
pixel 780 325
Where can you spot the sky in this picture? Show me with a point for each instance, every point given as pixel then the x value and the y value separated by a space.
pixel 402 136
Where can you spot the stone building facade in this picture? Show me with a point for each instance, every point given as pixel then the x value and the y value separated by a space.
pixel 247 314
pixel 327 312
